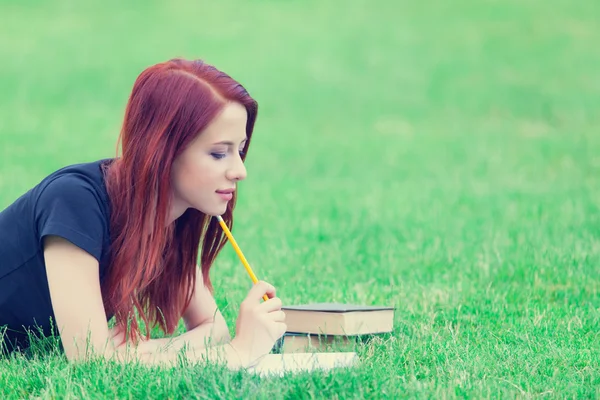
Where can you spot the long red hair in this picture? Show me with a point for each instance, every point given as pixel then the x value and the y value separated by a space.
pixel 153 266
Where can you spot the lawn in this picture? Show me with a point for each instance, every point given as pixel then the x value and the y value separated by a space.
pixel 442 157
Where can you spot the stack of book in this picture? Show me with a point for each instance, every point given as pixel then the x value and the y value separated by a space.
pixel 323 327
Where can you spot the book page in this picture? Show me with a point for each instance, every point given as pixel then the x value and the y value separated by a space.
pixel 280 364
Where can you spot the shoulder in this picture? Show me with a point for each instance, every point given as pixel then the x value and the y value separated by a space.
pixel 73 203
pixel 74 179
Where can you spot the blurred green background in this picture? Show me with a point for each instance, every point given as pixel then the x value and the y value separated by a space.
pixel 441 156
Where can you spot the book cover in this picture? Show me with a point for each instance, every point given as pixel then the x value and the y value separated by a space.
pixel 338 319
pixel 335 307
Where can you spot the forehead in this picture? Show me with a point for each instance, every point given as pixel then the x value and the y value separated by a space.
pixel 228 125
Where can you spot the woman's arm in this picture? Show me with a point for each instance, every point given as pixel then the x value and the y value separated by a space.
pixel 204 323
pixel 73 280
pixel 202 316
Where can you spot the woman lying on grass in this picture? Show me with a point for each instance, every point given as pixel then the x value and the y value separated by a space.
pixel 120 237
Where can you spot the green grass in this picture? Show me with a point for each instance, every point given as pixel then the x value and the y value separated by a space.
pixel 440 156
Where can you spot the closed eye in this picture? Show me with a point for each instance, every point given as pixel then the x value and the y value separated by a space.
pixel 218 156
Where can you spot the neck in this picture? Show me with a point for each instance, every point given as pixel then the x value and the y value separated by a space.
pixel 177 209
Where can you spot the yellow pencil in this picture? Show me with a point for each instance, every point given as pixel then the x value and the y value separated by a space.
pixel 239 252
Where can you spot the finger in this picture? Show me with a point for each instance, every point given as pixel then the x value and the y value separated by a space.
pixel 271 305
pixel 276 331
pixel 281 329
pixel 260 289
pixel 277 316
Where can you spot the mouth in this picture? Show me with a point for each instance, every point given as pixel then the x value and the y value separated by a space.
pixel 226 194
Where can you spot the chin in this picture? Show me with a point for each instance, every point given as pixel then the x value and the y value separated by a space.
pixel 212 212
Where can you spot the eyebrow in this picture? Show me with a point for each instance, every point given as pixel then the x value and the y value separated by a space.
pixel 229 143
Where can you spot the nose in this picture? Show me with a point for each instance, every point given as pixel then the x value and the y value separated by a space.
pixel 237 171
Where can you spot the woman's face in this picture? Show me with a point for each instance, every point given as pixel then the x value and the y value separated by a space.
pixel 206 173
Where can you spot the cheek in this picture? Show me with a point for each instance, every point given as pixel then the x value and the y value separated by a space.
pixel 192 173
pixel 181 174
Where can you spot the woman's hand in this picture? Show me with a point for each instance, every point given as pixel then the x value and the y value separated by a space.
pixel 259 324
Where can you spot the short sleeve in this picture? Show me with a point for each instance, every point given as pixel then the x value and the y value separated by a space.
pixel 70 207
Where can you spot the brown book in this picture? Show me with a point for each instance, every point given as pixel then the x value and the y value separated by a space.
pixel 301 343
pixel 338 319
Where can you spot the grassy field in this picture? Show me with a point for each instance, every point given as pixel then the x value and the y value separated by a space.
pixel 442 157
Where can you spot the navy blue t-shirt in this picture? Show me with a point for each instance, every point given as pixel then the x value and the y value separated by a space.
pixel 71 203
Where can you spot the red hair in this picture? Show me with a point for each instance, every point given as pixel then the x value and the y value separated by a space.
pixel 153 266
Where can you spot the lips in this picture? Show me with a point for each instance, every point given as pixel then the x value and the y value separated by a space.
pixel 226 194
